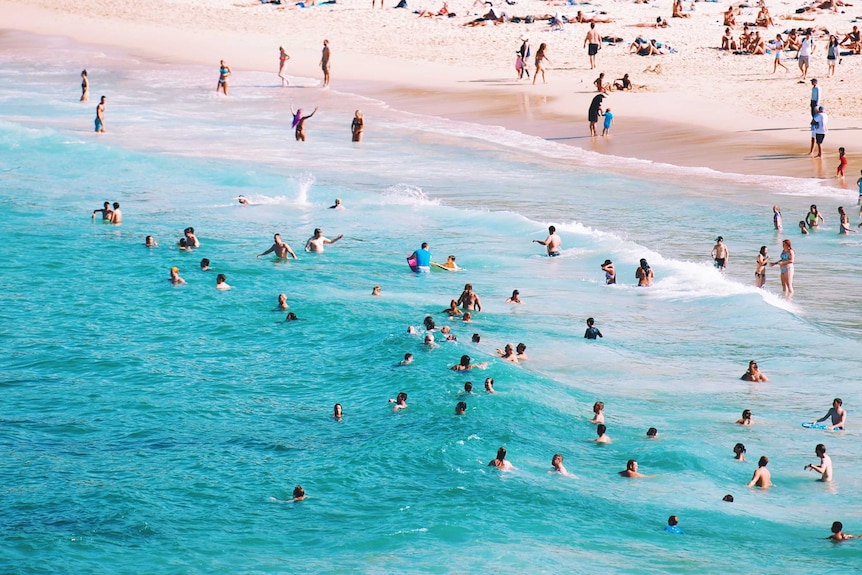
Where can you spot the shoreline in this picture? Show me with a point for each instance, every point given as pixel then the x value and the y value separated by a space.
pixel 700 133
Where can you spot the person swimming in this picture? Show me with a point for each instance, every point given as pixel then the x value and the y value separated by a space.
pixel 400 402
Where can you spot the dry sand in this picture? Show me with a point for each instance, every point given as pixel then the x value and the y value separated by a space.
pixel 705 108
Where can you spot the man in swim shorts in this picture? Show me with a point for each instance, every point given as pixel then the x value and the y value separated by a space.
pixel 107 213
pixel 316 242
pixel 720 254
pixel 552 242
pixel 100 116
pixel 117 216
pixel 761 478
pixel 836 414
pixel 324 63
pixel 469 299
pixel 280 248
pixel 423 258
pixel 593 42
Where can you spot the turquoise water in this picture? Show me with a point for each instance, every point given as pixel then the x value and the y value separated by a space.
pixel 157 429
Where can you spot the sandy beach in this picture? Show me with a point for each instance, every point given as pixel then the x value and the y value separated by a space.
pixel 705 107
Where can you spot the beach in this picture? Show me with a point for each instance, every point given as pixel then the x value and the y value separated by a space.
pixel 158 426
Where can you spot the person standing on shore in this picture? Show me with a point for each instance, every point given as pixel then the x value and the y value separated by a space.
pixel 760 271
pixel 223 74
pixel 593 42
pixel 85 87
pixel 820 120
pixel 804 54
pixel 815 97
pixel 324 59
pixel 832 54
pixel 842 163
pixel 594 112
pixel 282 60
pixel 540 60
pixel 720 254
pixel 100 116
pixel 357 126
pixel 785 262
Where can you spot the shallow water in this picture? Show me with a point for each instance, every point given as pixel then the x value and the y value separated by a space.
pixel 158 429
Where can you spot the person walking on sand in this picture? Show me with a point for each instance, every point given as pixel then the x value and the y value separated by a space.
pixel 804 55
pixel 100 116
pixel 777 47
pixel 832 54
pixel 298 123
pixel 282 60
pixel 540 60
pixel 223 74
pixel 592 42
pixel 324 61
pixel 786 264
pixel 760 270
pixel 357 126
pixel 820 120
pixel 85 87
pixel 720 254
pixel 524 53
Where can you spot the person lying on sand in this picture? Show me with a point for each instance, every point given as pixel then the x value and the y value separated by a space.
pixel 581 19
pixel 659 23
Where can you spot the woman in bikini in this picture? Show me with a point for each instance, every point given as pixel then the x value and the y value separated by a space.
pixel 357 125
pixel 760 273
pixel 845 222
pixel 299 123
pixel 282 59
pixel 223 74
pixel 540 60
pixel 813 217
pixel 85 87
pixel 786 264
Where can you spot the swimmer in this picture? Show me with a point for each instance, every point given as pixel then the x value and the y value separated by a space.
pixel 652 432
pixel 429 341
pixel 761 478
pixel 601 430
pixel 500 461
pixel 465 365
pixel 461 408
pixel 610 274
pixel 825 466
pixel 282 302
pixel 450 264
pixel 754 374
pixel 745 419
pixel 838 533
pixel 776 217
pixel 452 310
pixel 760 270
pixel 337 205
pixel 221 282
pixel 100 116
pixel 175 278
pixel 375 290
pixel 813 218
pixel 631 470
pixel 468 387
pixel 400 402
pixel 489 385
pixel 845 222
pixel 598 408
pixel 205 265
pixel 557 465
pixel 429 323
pixel 802 227
pixel 337 413
pixel 469 299
pixel 739 452
pixel 356 126
pixel 720 254
pixel 105 211
pixel 467 317
pixel 476 338
pixel 508 353
pixel 447 331
pixel 291 317
pixel 412 330
pixel 644 274
pixel 280 248
pixel 592 331
pixel 408 359
pixel 298 493
pixel 673 521
pixel 516 297
pixel 728 498
pixel 184 245
pixel 836 414
pixel 316 242
pixel 552 243
pixel 117 215
pixel 242 201
pixel 298 122
pixel 191 238
pixel 521 351
pixel 151 242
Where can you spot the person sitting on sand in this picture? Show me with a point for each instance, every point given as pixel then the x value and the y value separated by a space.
pixel 508 353
pixel 600 85
pixel 500 461
pixel 620 84
pixel 677 10
pixel 754 374
pixel 793 41
pixel 631 470
pixel 763 18
pixel 728 42
pixel 465 365
pixel 758 44
pixel 853 40
pixel 491 15
pixel 400 402
pixel 650 49
pixel 761 478
pixel 452 310
pixel 838 533
pixel 730 17
pixel 745 419
pixel 639 42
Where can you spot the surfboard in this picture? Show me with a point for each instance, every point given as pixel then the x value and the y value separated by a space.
pixel 411 261
pixel 818 426
pixel 435 265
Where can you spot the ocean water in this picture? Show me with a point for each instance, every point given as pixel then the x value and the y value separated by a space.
pixel 148 428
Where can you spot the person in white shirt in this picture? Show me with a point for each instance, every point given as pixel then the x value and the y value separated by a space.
pixel 804 53
pixel 819 121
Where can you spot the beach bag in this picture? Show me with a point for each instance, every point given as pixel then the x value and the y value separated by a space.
pixel 528 19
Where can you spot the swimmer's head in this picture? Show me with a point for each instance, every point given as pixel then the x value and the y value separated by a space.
pixel 461 408
pixel 598 407
pixel 451 258
pixel 175 270
pixel 429 338
pixel 375 290
pixel 837 402
pixel 552 229
pixel 763 461
pixel 408 357
pixel 291 317
pixel 501 453
pixel 739 448
pixel 205 263
pixel 298 492
pixel 652 432
pixel 338 200
pixel 672 520
pixel 746 414
pixel 557 459
pixel 468 387
pixel 401 397
pixel 220 279
pixel 148 241
pixel 521 348
pixel 631 465
pixel 429 322
pixel 820 450
pixel 336 411
pixel 728 498
pixel 590 321
pixel 465 360
pixel 467 316
pixel 837 527
pixel 601 429
pixel 476 338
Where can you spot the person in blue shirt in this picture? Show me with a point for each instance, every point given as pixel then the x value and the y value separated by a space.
pixel 423 259
pixel 592 331
pixel 672 526
pixel 609 119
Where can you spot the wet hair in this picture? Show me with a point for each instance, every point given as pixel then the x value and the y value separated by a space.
pixel 644 265
pixel 820 448
pixel 630 463
pixel 762 249
pixel 183 243
pixel 116 205
pixel 476 338
pixel 429 322
pixel 746 414
pixel 728 498
pixel 298 491
pixel 551 229
pixel 204 262
pixel 401 396
pixel 598 406
pixel 838 400
pixel 590 321
pixel 672 520
pixel 465 360
pixel 652 432
pixel 336 408
pixel 739 448
pixel 501 453
pixel 220 278
pixel 557 455
pixel 763 461
pixel 468 387
pixel 521 348
pixel 461 407
pixel 489 382
pixel 408 355
pixel 837 527
pixel 291 317
pixel 601 429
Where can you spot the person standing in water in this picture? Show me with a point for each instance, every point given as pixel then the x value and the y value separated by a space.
pixel 760 271
pixel 610 274
pixel 282 60
pixel 720 254
pixel 316 242
pixel 644 274
pixel 324 63
pixel 552 243
pixel 85 87
pixel 776 217
pixel 280 248
pixel 299 123
pixel 845 222
pixel 223 74
pixel 786 264
pixel 100 116
pixel 836 414
pixel 825 466
pixel 357 126
pixel 761 478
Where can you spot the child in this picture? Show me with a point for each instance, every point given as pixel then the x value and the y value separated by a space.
pixel 672 526
pixel 802 227
pixel 592 331
pixel 842 163
pixel 609 119
pixel 519 65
